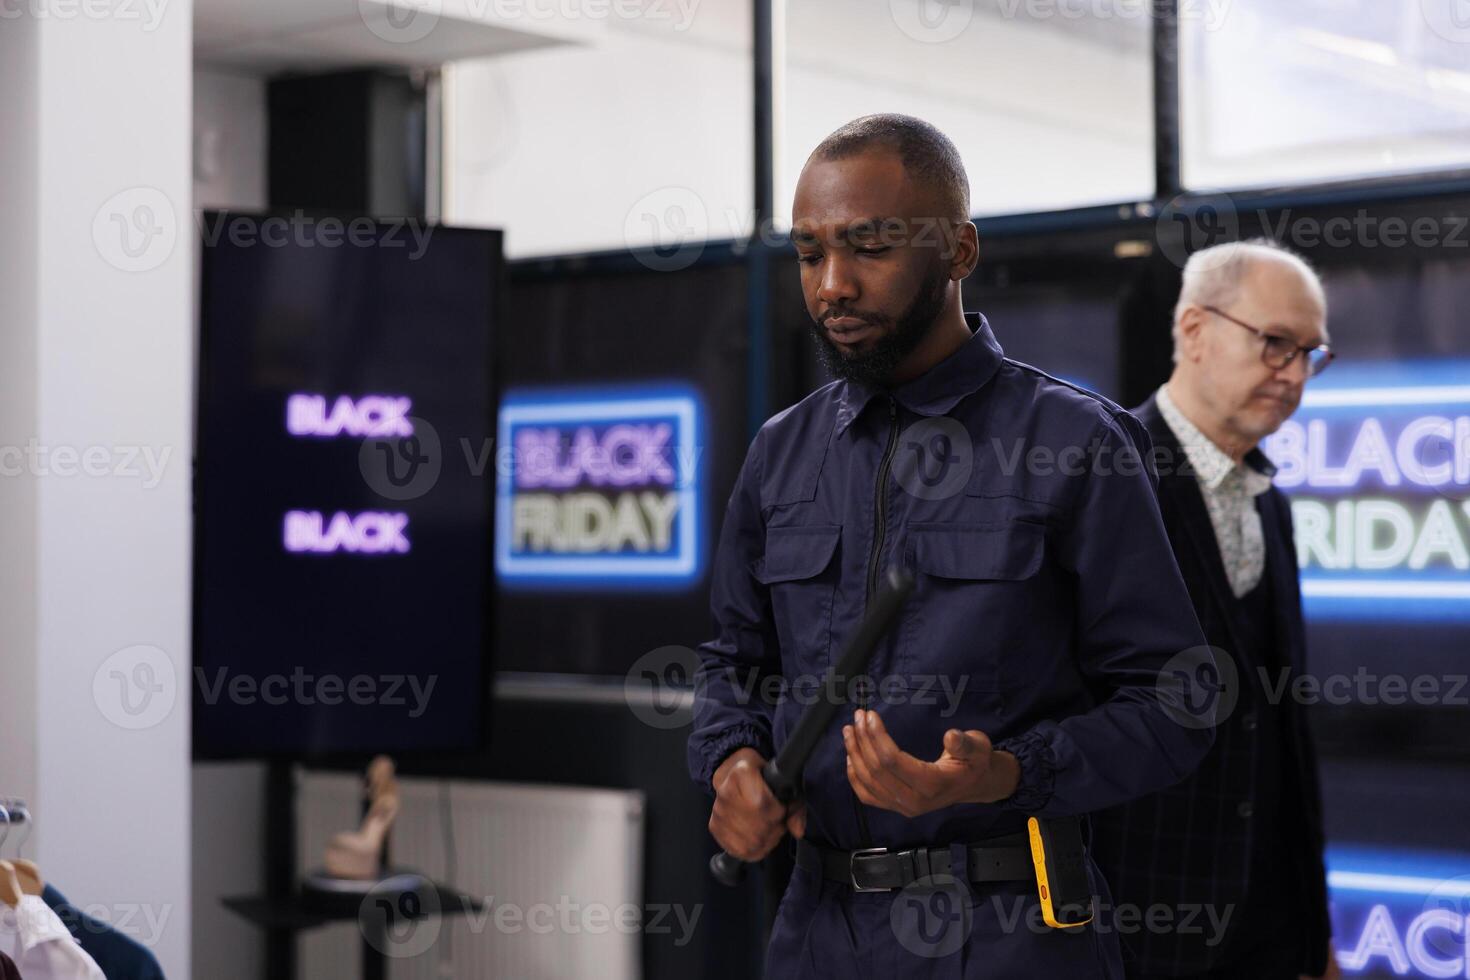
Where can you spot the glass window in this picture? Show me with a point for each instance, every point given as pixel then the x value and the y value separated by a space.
pixel 632 128
pixel 1276 93
pixel 1049 101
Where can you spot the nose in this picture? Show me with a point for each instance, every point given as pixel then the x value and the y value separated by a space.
pixel 839 285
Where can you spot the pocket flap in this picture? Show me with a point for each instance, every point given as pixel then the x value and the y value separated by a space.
pixel 797 552
pixel 1010 551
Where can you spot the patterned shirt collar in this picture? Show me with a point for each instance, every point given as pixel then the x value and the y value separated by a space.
pixel 1212 465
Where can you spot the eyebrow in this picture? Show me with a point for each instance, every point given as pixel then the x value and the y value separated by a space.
pixel 861 227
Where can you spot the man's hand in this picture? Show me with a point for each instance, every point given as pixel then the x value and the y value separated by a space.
pixel 883 775
pixel 747 820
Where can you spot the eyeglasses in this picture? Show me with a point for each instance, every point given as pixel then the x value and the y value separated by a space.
pixel 1277 351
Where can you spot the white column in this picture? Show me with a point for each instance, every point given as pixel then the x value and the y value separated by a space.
pixel 96 368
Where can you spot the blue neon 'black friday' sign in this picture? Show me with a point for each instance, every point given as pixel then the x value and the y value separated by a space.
pixel 599 488
pixel 1377 463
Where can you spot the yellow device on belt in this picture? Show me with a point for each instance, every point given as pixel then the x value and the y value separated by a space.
pixel 1061 871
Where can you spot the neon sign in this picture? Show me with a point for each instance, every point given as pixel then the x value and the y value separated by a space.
pixel 1399 915
pixel 368 533
pixel 599 487
pixel 1377 463
pixel 371 416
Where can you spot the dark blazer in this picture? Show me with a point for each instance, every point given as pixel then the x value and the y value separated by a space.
pixel 1190 844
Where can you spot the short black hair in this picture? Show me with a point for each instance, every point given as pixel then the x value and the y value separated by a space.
pixel 926 153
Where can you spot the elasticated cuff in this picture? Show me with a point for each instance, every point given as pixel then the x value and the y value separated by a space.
pixel 719 748
pixel 1038 772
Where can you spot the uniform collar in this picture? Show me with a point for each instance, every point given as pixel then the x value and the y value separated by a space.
pixel 938 390
pixel 1211 463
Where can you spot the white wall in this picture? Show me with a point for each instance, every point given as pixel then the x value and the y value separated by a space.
pixel 96 367
pixel 642 135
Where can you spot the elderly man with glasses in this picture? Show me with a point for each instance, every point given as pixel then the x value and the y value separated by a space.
pixel 1234 852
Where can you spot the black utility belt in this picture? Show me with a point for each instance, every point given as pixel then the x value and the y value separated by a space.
pixel 879 869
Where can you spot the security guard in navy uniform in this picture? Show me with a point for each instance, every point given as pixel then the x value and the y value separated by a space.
pixel 1047 601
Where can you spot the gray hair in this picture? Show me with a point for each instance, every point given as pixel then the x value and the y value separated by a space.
pixel 1213 276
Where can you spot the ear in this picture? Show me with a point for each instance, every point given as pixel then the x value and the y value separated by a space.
pixel 1191 333
pixel 965 250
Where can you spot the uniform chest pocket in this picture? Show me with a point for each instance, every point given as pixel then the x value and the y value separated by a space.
pixel 975 599
pixel 801 570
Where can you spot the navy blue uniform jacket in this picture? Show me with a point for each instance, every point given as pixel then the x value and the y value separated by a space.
pixel 1047 595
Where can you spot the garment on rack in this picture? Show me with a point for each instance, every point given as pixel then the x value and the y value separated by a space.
pixel 36 939
pixel 120 956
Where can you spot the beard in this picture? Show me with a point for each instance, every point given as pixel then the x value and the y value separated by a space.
pixel 875 366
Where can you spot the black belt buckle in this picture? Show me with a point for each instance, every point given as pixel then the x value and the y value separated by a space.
pixel 852 869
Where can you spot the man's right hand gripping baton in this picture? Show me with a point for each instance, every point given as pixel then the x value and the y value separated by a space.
pixel 783 773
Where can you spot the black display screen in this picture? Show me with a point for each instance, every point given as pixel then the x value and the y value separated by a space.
pixel 342 507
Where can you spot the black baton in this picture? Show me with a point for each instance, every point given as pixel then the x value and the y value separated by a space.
pixel 783 773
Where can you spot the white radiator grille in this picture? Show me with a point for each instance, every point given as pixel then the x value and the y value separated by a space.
pixel 559 869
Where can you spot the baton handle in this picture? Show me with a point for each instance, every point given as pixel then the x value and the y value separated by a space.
pixel 783 773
